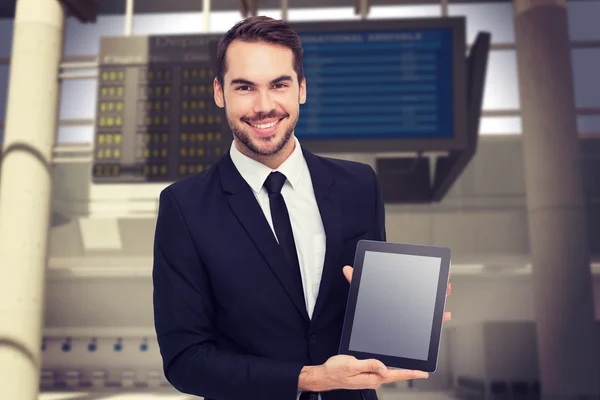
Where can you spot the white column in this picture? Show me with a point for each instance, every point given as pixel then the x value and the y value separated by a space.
pixel 562 278
pixel 25 192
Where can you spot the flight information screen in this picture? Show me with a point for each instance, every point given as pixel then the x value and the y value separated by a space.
pixel 377 84
pixel 157 120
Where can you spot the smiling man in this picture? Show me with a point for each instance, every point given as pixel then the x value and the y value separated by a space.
pixel 263 91
pixel 252 257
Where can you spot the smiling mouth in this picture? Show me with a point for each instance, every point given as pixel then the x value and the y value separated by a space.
pixel 264 126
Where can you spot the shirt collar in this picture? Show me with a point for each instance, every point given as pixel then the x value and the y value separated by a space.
pixel 255 173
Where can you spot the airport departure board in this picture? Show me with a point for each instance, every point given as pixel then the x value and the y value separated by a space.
pixel 384 85
pixel 156 118
pixel 379 84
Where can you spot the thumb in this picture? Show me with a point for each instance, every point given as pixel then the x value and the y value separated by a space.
pixel 347 270
pixel 375 366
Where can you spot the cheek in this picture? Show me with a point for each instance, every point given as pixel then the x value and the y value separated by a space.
pixel 238 107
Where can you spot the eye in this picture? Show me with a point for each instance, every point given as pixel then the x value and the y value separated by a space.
pixel 243 88
pixel 280 85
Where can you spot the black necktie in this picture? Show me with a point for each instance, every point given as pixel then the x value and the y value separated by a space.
pixel 285 235
pixel 281 218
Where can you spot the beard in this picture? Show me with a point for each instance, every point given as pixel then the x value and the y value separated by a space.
pixel 241 131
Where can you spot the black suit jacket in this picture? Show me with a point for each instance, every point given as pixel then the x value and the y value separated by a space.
pixel 230 318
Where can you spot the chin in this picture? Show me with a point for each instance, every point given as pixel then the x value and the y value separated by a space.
pixel 268 146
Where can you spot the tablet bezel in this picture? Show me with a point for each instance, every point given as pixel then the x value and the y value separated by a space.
pixel 444 254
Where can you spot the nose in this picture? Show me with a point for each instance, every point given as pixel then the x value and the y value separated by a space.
pixel 263 102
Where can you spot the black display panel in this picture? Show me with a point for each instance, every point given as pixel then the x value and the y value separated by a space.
pixel 384 85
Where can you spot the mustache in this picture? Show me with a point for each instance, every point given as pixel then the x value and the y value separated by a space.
pixel 269 115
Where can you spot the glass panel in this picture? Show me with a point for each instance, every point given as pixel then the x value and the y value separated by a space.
pixel 501 84
pixel 588 123
pixel 222 21
pixel 495 18
pixel 167 24
pixel 84 39
pixel 412 11
pixel 583 20
pixel 500 126
pixel 586 76
pixel 322 14
pixel 78 99
pixel 4 68
pixel 6 33
pixel 68 134
pixel 75 134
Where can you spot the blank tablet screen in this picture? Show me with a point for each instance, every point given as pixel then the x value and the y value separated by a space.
pixel 395 305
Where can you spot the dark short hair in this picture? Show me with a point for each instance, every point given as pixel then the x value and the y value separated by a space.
pixel 260 29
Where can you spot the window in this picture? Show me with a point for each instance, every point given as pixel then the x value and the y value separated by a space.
pixel 222 21
pixel 495 18
pixel 502 86
pixel 168 24
pixel 586 76
pixel 6 33
pixel 75 134
pixel 84 39
pixel 408 11
pixel 588 124
pixel 322 14
pixel 583 20
pixel 500 126
pixel 4 68
pixel 78 99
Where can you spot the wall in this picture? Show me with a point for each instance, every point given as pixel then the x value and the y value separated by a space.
pixel 100 259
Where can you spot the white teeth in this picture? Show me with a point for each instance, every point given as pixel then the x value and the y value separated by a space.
pixel 264 126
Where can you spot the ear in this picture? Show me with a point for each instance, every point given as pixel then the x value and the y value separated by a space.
pixel 218 94
pixel 302 95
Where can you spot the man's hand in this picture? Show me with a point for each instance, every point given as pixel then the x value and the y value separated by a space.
pixel 447 315
pixel 347 372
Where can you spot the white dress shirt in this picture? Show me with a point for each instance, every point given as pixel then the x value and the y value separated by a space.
pixel 305 217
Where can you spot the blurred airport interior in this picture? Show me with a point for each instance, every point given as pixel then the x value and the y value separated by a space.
pixel 517 200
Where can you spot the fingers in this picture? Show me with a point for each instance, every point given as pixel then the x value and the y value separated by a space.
pixel 447 316
pixel 347 270
pixel 373 366
pixel 372 373
pixel 405 374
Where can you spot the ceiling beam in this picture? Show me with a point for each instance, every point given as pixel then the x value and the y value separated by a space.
pixel 117 7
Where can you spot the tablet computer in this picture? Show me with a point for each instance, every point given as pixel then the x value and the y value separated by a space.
pixel 396 304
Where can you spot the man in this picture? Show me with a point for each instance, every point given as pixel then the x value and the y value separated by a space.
pixel 252 257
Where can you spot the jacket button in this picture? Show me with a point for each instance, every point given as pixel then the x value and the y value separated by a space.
pixel 313 338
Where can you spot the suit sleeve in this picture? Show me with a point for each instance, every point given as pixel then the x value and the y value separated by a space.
pixel 183 318
pixel 378 231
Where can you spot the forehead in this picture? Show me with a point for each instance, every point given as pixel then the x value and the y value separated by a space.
pixel 258 62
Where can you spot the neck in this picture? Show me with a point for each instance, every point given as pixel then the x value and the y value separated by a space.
pixel 273 161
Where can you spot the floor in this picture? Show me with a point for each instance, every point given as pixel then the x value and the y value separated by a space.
pixel 383 394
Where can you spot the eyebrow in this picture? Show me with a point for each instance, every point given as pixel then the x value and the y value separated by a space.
pixel 239 81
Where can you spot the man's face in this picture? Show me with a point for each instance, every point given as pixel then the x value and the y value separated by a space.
pixel 261 95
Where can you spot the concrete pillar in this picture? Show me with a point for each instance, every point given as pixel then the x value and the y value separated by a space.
pixel 562 280
pixel 25 192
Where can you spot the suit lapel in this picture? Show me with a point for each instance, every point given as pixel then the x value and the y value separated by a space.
pixel 247 210
pixel 329 206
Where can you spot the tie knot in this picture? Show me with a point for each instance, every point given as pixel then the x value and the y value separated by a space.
pixel 274 182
